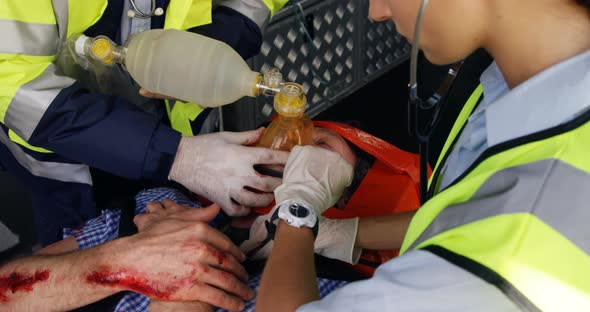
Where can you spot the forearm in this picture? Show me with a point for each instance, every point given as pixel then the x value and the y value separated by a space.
pixel 165 306
pixel 289 278
pixel 59 282
pixel 60 247
pixel 371 231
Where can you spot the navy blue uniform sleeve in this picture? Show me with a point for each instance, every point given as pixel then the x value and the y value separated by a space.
pixel 111 134
pixel 235 29
pixel 107 133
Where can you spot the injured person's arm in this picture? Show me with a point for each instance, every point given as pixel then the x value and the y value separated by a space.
pixel 60 247
pixel 172 259
pixel 62 282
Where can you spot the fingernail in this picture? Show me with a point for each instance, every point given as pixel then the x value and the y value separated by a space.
pixel 242 306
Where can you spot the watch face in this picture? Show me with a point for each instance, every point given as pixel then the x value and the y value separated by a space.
pixel 298 210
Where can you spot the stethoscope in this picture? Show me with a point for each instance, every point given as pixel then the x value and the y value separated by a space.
pixel 417 105
pixel 137 13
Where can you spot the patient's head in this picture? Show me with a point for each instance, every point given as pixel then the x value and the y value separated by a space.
pixel 331 140
pixel 359 159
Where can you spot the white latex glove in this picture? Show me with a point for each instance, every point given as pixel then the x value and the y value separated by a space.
pixel 218 166
pixel 316 176
pixel 336 239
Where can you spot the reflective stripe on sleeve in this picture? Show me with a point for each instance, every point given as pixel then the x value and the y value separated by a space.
pixel 543 188
pixel 32 99
pixel 61 10
pixel 50 170
pixel 256 10
pixel 28 38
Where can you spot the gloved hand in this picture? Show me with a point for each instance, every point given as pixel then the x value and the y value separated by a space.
pixel 316 176
pixel 336 239
pixel 218 166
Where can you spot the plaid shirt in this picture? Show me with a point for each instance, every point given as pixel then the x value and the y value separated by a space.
pixel 106 228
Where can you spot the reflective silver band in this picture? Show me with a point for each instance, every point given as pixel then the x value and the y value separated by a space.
pixel 60 9
pixel 28 38
pixel 50 170
pixel 31 101
pixel 34 38
pixel 553 191
pixel 256 10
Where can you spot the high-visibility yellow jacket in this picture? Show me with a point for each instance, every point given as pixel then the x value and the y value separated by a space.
pixel 517 217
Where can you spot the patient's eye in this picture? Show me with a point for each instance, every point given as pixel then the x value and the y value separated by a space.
pixel 324 145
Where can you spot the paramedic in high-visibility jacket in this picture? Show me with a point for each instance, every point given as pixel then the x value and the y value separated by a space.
pixel 505 224
pixel 55 128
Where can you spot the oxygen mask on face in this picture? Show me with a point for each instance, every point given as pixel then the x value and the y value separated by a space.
pixel 291 126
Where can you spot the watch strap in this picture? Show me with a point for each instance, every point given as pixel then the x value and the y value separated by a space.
pixel 271 225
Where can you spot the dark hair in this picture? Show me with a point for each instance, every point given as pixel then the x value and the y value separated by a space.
pixel 585 3
pixel 363 164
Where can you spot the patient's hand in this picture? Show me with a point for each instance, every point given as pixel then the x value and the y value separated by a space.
pixel 226 267
pixel 168 209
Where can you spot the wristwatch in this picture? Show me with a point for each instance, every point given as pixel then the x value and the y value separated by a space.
pixel 297 214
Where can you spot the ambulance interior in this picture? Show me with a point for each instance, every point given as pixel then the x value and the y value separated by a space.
pixel 352 69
